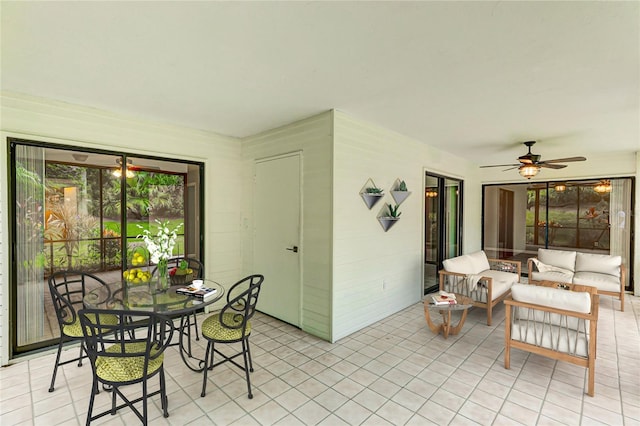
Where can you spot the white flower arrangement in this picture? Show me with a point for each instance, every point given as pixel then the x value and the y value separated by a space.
pixel 161 245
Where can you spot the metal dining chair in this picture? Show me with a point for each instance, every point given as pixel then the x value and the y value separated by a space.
pixel 68 289
pixel 128 352
pixel 232 325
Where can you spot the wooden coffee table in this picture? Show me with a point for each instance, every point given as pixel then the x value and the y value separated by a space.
pixel 445 325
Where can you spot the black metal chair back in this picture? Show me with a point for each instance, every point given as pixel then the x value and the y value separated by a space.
pixel 243 306
pixel 68 289
pixel 127 352
pixel 232 325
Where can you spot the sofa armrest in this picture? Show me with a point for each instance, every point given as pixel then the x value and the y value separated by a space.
pixel 459 284
pixel 530 266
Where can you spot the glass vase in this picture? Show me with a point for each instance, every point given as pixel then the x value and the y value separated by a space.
pixel 162 281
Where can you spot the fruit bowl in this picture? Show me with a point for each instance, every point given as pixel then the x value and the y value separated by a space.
pixel 181 279
pixel 136 276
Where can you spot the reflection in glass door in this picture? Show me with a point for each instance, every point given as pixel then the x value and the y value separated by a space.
pixel 67 214
pixel 443 222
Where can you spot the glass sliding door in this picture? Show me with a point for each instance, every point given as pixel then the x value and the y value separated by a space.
pixel 68 212
pixel 442 224
pixel 584 215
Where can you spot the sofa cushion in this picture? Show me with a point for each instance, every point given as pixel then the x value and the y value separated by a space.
pixel 602 282
pixel 562 277
pixel 560 258
pixel 600 263
pixel 474 263
pixel 502 282
pixel 576 301
pixel 479 261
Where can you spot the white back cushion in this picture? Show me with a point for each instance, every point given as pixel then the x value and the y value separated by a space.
pixel 479 261
pixel 473 263
pixel 576 301
pixel 602 263
pixel 560 258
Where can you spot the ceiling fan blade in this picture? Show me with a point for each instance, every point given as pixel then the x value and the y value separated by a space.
pixel 501 165
pixel 565 160
pixel 511 168
pixel 552 166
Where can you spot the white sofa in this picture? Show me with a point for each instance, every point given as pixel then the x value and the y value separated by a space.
pixel 550 321
pixel 486 281
pixel 605 272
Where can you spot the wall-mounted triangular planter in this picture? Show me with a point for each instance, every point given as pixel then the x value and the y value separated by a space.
pixel 371 198
pixel 398 195
pixel 388 222
pixel 385 218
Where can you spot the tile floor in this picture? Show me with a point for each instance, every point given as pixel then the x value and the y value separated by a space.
pixel 394 372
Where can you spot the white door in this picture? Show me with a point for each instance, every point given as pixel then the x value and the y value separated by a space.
pixel 277 236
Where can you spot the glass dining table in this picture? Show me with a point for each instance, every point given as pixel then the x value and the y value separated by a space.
pixel 143 297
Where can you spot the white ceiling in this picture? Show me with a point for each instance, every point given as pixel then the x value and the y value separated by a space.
pixel 472 78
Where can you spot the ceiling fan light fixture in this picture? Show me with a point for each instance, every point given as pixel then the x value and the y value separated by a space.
pixel 528 170
pixel 128 172
pixel 560 187
pixel 603 187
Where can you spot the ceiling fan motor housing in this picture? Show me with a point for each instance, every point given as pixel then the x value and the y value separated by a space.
pixel 529 158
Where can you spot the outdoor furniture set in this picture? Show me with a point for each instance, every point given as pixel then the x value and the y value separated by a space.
pixel 124 333
pixel 555 315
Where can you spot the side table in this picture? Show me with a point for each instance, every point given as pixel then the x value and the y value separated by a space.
pixel 446 326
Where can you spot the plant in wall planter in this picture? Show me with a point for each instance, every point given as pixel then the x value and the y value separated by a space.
pixel 400 193
pixel 371 194
pixel 390 218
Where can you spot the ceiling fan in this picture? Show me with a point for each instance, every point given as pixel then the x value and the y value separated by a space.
pixel 529 164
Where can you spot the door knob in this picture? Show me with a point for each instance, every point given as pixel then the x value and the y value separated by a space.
pixel 293 249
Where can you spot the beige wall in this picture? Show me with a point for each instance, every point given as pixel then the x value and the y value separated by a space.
pixel 377 273
pixel 61 123
pixel 313 139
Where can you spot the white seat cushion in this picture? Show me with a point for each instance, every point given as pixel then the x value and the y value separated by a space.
pixel 552 276
pixel 499 287
pixel 560 258
pixel 602 282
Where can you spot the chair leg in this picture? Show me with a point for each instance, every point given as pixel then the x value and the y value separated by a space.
pixel 114 391
pixel 144 402
pixel 245 355
pixel 80 355
pixel 206 367
pixel 249 353
pixel 55 367
pixel 163 394
pixel 91 400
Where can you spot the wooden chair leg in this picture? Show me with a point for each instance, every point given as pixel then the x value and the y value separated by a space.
pixel 592 377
